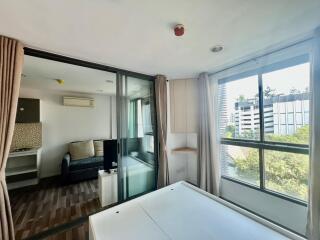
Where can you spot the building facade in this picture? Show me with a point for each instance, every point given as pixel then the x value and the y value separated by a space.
pixel 283 115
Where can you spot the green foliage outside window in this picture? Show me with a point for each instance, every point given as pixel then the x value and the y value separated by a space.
pixel 285 172
pixel 300 137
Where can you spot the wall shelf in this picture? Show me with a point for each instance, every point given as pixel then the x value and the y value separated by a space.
pixel 184 150
pixel 20 170
pixel 23 168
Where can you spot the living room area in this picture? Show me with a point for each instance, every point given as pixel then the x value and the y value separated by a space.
pixel 62 165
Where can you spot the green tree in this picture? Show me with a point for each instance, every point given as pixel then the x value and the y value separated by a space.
pixel 294 91
pixel 241 98
pixel 285 172
pixel 268 92
pixel 230 131
pixel 300 137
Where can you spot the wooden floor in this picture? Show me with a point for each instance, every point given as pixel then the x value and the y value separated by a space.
pixel 49 204
pixel 78 233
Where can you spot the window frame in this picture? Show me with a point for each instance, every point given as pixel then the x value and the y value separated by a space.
pixel 263 144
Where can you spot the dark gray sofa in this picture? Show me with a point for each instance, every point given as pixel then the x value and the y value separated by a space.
pixel 79 170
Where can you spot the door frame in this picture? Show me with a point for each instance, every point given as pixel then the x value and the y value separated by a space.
pixel 78 62
pixel 74 61
pixel 123 195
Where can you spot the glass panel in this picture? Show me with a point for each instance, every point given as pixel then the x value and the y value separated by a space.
pixel 137 168
pixel 298 106
pixel 239 107
pixel 306 105
pixel 276 118
pixel 241 163
pixel 287 92
pixel 287 173
pixel 298 118
pixel 290 107
pixel 282 118
pixel 291 129
pixel 149 144
pixel 283 131
pixel 306 118
pixel 290 118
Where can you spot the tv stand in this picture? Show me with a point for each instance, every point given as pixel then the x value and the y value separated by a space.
pixel 108 187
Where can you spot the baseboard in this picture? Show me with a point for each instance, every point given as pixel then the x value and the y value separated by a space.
pixel 53 174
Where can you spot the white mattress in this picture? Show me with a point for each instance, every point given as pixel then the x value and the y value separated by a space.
pixel 181 211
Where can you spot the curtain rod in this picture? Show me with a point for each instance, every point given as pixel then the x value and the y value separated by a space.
pixel 263 55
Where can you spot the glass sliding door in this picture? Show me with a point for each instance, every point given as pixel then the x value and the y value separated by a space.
pixel 137 160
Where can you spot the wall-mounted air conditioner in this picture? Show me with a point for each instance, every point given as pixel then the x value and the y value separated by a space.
pixel 78 102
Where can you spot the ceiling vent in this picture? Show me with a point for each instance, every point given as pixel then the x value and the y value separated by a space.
pixel 78 102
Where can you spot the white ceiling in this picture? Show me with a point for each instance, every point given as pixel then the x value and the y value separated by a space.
pixel 137 35
pixel 39 73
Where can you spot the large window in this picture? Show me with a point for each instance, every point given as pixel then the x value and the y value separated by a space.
pixel 264 128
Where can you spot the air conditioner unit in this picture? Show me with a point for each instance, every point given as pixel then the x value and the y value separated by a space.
pixel 78 102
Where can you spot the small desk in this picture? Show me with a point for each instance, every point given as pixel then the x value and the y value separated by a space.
pixel 108 188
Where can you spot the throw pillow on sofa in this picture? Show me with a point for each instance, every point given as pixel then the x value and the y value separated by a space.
pixel 98 148
pixel 80 150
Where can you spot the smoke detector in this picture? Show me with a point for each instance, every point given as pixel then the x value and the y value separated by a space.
pixel 179 30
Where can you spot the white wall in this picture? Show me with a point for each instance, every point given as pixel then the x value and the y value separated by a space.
pixel 64 124
pixel 182 166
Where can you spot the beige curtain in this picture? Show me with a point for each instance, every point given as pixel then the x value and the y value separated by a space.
pixel 208 142
pixel 161 107
pixel 313 228
pixel 11 61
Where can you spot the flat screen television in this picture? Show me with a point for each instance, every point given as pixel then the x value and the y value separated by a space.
pixel 110 155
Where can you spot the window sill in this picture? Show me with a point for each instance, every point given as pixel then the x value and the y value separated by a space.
pixel 275 194
pixel 263 217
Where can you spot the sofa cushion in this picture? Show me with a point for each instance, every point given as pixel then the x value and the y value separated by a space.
pixel 98 148
pixel 81 150
pixel 86 163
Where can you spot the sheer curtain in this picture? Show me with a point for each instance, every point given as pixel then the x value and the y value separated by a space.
pixel 313 229
pixel 208 142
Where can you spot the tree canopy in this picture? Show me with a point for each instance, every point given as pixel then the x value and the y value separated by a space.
pixel 285 172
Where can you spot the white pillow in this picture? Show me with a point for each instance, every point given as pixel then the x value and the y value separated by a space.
pixel 98 148
pixel 80 150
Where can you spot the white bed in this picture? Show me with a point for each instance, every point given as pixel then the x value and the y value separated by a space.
pixel 182 211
